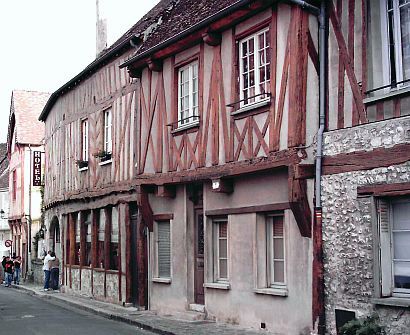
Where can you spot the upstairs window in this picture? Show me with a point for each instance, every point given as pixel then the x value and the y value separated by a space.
pixel 84 140
pixel 108 131
pixel 188 94
pixel 254 68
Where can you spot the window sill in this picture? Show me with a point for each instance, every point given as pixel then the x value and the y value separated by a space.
pixel 161 280
pixel 219 286
pixel 83 169
pixel 186 127
pixel 391 94
pixel 392 301
pixel 278 291
pixel 250 107
pixel 105 162
pixel 98 269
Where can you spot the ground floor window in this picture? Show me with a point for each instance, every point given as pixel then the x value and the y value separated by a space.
pixel 100 239
pixel 220 249
pixel 275 250
pixel 77 227
pixel 88 239
pixel 393 218
pixel 114 238
pixel 162 237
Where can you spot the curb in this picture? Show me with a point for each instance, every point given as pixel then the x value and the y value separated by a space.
pixel 98 311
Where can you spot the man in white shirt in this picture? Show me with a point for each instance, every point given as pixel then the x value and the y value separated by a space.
pixel 46 268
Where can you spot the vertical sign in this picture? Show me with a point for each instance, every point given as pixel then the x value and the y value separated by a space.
pixel 37 168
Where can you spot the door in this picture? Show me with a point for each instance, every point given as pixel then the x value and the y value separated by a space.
pixel 133 247
pixel 199 257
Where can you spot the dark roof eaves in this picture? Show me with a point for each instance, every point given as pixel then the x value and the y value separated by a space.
pixel 186 32
pixel 91 67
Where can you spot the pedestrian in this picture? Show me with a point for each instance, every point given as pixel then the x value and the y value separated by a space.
pixel 9 271
pixel 54 269
pixel 46 268
pixel 17 270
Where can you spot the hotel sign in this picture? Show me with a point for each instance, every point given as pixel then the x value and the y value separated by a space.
pixel 37 168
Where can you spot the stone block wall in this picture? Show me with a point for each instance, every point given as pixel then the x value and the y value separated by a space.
pixel 348 225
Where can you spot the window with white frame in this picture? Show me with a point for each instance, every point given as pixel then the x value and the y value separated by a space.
pixel 188 94
pixel 394 246
pixel 108 130
pixel 275 243
pixel 388 25
pixel 84 140
pixel 163 249
pixel 254 67
pixel 220 249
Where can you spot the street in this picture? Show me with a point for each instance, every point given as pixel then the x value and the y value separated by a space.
pixel 21 313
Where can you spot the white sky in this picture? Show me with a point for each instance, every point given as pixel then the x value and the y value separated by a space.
pixel 45 43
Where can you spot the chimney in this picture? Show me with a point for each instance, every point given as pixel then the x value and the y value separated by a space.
pixel 101 31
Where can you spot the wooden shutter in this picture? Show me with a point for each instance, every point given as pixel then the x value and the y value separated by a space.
pixel 164 249
pixel 383 215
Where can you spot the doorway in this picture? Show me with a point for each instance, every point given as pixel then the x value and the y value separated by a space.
pixel 199 257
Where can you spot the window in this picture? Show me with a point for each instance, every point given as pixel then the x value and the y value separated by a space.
pixel 108 131
pixel 188 94
pixel 394 246
pixel 114 238
pixel 254 67
pixel 275 250
pixel 84 140
pixel 77 226
pixel 163 249
pixel 88 239
pixel 220 246
pixel 388 25
pixel 101 238
pixel 14 176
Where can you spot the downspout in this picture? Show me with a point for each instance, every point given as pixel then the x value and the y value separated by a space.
pixel 318 266
pixel 29 217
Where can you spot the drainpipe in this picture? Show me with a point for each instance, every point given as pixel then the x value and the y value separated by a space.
pixel 318 267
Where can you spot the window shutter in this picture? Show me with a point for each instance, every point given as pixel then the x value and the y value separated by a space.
pixel 164 249
pixel 385 247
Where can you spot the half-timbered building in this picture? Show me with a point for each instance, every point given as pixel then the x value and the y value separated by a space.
pixel 24 147
pixel 366 174
pixel 179 164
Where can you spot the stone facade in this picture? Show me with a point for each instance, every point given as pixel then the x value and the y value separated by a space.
pixel 348 225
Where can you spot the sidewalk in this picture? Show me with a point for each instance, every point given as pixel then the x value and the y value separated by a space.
pixel 148 320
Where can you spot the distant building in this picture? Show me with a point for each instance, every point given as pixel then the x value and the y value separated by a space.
pixel 25 152
pixel 5 233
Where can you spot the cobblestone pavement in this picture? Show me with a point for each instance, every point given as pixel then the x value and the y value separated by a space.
pixel 148 320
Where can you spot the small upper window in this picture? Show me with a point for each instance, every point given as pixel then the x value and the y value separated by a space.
pixel 108 131
pixel 254 67
pixel 188 94
pixel 84 140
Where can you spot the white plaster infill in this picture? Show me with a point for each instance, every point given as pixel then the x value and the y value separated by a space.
pixel 394 302
pixel 105 162
pixel 219 286
pixel 278 291
pixel 161 280
pixel 252 106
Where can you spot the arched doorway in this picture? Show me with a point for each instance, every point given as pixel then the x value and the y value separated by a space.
pixel 54 243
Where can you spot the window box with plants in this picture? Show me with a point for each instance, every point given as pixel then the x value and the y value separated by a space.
pixel 81 164
pixel 103 156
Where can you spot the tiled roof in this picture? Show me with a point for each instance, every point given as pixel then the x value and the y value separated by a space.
pixel 25 108
pixel 4 175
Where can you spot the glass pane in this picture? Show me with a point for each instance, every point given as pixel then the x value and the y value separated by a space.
pixel 245 81
pixel 392 48
pixel 244 49
pixel 262 74
pixel 401 245
pixel 277 226
pixel 252 78
pixel 223 246
pixel 223 229
pixel 195 70
pixel 278 248
pixel 186 102
pixel 401 215
pixel 279 272
pixel 195 85
pixel 245 64
pixel 223 268
pixel 267 34
pixel 261 41
pixel 405 39
pixel 251 62
pixel 402 275
pixel 251 45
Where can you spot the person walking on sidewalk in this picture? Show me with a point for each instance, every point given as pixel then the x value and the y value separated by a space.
pixel 17 270
pixel 9 271
pixel 54 269
pixel 46 269
pixel 3 268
